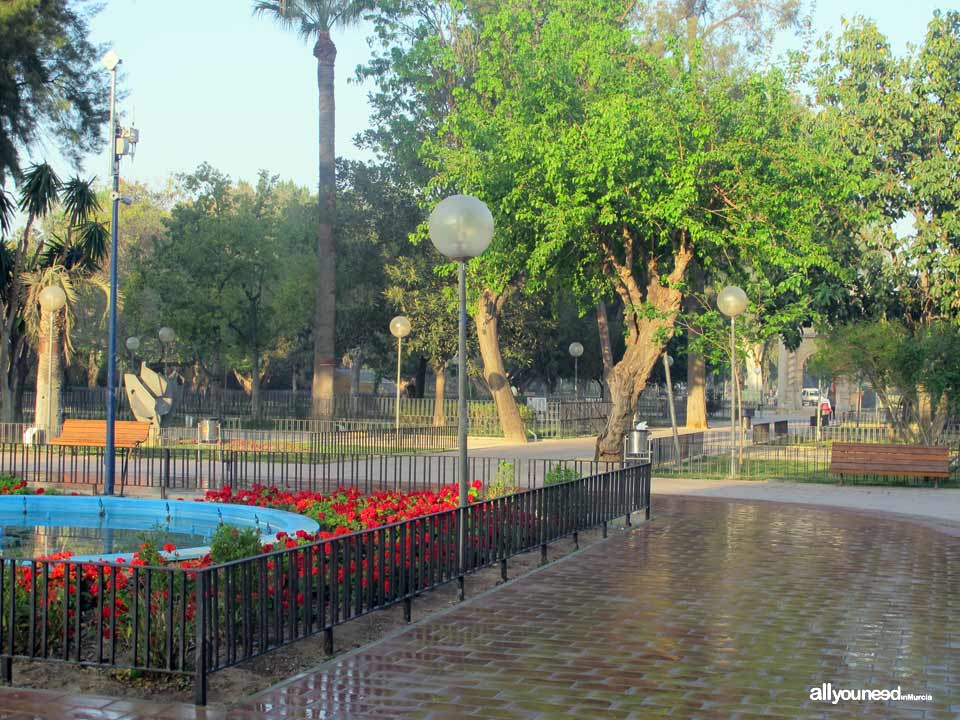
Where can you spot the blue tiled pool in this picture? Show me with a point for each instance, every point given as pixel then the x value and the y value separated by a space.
pixel 110 527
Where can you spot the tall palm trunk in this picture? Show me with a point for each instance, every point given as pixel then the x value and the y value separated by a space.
pixel 47 407
pixel 324 314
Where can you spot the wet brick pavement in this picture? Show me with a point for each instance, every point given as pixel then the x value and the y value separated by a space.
pixel 715 609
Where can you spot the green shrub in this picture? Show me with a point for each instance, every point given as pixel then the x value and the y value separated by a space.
pixel 560 474
pixel 503 483
pixel 232 543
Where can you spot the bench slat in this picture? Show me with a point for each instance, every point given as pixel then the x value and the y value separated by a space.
pixel 93 433
pixel 889 459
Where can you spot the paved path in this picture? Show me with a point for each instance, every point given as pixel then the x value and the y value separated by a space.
pixel 715 609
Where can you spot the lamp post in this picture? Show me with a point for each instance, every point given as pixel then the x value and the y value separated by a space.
pixel 667 364
pixel 732 301
pixel 461 228
pixel 133 344
pixel 122 141
pixel 167 336
pixel 576 350
pixel 52 299
pixel 399 328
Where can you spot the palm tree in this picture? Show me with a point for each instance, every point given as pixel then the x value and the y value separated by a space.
pixel 314 20
pixel 28 266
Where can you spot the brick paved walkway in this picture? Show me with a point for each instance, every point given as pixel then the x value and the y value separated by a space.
pixel 716 609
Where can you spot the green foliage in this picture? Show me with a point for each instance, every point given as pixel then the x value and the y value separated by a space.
pixel 894 125
pixel 232 543
pixel 11 485
pixel 47 87
pixel 913 371
pixel 229 272
pixel 560 474
pixel 503 483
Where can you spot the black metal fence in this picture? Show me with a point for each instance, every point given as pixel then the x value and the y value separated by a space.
pixel 792 452
pixel 197 621
pixel 185 470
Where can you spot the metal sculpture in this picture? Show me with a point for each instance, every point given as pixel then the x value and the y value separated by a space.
pixel 153 397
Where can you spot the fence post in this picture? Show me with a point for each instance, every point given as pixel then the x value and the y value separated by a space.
pixel 200 673
pixel 165 473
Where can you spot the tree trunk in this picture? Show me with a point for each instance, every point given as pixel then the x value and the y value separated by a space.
pixel 647 337
pixel 421 378
pixel 356 365
pixel 255 382
pixel 696 365
pixel 606 351
pixel 324 314
pixel 488 310
pixel 93 369
pixel 440 390
pixel 47 405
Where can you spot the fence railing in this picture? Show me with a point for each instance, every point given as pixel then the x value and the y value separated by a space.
pixel 196 621
pixel 796 455
pixel 185 470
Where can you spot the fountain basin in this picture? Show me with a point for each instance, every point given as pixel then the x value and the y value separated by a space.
pixel 110 528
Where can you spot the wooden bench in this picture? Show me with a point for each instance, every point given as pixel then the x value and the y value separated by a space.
pixel 890 460
pixel 127 434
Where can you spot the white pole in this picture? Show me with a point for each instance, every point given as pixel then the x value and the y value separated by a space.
pixel 397 409
pixel 50 384
pixel 733 394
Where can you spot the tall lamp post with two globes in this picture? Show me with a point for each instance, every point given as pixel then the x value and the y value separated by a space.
pixel 461 228
pixel 732 301
pixel 399 328
pixel 122 141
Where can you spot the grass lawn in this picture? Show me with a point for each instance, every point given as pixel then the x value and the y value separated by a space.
pixel 797 465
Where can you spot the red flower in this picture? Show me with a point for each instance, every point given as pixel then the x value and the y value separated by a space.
pixel 169 547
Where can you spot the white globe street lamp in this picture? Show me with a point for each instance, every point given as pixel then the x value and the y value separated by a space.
pixel 399 328
pixel 732 301
pixel 52 299
pixel 167 336
pixel 461 227
pixel 576 350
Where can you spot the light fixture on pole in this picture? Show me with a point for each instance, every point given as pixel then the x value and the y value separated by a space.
pixel 122 141
pixel 133 344
pixel 576 350
pixel 52 299
pixel 167 336
pixel 732 301
pixel 667 364
pixel 399 328
pixel 461 227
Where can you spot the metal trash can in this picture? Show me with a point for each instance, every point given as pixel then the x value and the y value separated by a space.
pixel 208 430
pixel 638 443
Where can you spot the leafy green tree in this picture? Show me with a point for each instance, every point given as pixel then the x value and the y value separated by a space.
pixel 314 20
pixel 608 167
pixel 47 86
pixel 377 213
pixel 895 126
pixel 429 301
pixel 228 273
pixel 913 371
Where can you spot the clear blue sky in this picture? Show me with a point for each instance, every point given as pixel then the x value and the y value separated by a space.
pixel 206 81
